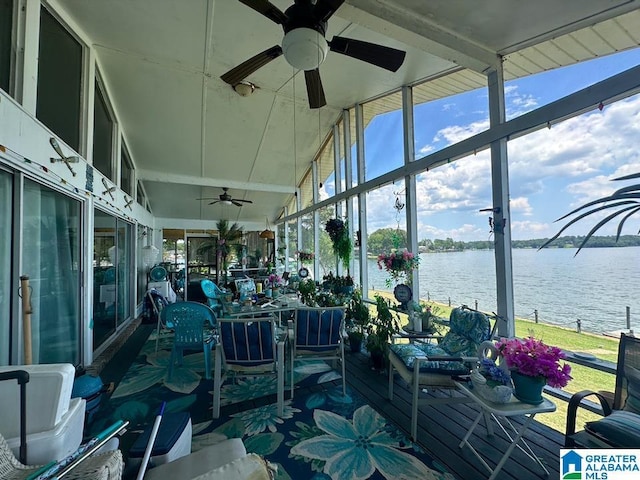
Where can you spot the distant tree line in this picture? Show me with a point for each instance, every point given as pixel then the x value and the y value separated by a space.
pixel 570 241
pixel 385 239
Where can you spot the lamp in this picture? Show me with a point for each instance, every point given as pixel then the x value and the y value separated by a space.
pixel 267 232
pixel 304 48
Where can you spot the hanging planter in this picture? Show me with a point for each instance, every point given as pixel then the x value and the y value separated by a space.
pixel 338 231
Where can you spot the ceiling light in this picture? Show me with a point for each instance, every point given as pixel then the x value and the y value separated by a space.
pixel 227 202
pixel 304 48
pixel 244 89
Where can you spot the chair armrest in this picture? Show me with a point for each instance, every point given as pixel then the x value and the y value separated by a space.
pixel 572 410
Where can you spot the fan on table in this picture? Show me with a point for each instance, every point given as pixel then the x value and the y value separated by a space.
pixel 304 45
pixel 226 199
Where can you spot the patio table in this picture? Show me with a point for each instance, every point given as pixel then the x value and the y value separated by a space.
pixel 501 413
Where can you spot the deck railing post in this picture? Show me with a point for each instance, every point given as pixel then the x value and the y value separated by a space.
pixel 628 318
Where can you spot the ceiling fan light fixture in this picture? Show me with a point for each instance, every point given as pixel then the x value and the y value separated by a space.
pixel 244 89
pixel 304 48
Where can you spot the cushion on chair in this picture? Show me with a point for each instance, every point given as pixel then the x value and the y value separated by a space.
pixel 620 429
pixel 255 344
pixel 470 324
pixel 632 402
pixel 408 353
pixel 318 334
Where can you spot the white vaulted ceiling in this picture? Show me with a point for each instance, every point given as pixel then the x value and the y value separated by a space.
pixel 189 133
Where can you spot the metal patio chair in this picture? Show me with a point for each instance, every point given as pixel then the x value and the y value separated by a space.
pixel 249 347
pixel 620 427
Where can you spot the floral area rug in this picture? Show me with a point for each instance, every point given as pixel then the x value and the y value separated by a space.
pixel 325 435
pixel 146 385
pixel 322 434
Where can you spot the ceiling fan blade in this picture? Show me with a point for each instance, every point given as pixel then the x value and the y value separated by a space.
pixel 379 55
pixel 214 202
pixel 242 71
pixel 241 200
pixel 315 91
pixel 325 8
pixel 267 9
pixel 236 203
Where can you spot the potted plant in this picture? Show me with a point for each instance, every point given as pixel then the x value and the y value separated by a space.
pixel 382 327
pixel 341 244
pixel 357 318
pixel 399 264
pixel 533 364
pixel 307 290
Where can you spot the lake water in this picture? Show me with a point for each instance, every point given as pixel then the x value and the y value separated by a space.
pixel 595 286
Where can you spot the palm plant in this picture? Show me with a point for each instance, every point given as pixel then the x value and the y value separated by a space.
pixel 227 236
pixel 624 201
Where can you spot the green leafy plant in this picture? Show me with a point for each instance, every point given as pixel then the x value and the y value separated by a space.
pixel 384 325
pixel 357 315
pixel 307 290
pixel 625 201
pixel 341 243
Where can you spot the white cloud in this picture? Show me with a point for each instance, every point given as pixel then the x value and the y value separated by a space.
pixel 521 205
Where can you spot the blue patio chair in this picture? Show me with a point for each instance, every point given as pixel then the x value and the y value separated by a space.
pixel 427 365
pixel 249 347
pixel 189 320
pixel 318 333
pixel 213 293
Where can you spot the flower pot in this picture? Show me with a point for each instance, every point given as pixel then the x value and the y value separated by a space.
pixel 355 342
pixel 528 389
pixel 377 358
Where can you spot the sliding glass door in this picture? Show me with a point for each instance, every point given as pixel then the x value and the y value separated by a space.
pixel 112 276
pixel 6 203
pixel 51 259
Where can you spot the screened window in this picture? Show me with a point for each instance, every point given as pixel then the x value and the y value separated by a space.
pixel 103 126
pixel 59 80
pixel 140 196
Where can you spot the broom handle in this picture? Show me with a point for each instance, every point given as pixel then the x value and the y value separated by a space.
pixel 26 318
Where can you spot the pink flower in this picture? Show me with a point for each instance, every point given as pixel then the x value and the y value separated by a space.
pixel 534 358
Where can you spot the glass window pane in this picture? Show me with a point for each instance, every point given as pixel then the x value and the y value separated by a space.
pixel 6 207
pixel 126 171
pixel 51 259
pixel 6 25
pixel 102 135
pixel 444 121
pixel 104 277
pixel 383 139
pixel 59 80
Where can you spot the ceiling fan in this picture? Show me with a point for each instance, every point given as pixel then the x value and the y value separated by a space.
pixel 226 199
pixel 304 45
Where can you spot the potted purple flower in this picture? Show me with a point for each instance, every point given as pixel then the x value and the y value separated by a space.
pixel 533 365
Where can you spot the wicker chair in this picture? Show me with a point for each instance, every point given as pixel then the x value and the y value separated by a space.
pixel 105 466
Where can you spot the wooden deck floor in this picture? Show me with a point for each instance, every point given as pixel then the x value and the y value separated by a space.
pixel 440 427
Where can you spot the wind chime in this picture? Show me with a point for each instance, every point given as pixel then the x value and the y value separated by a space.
pixel 401 292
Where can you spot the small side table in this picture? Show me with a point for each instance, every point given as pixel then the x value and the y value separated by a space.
pixel 501 413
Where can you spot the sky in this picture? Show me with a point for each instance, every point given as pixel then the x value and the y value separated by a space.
pixel 551 171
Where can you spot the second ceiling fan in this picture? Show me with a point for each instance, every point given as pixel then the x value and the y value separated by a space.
pixel 304 45
pixel 226 199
